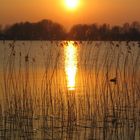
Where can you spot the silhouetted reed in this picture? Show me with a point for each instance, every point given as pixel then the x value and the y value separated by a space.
pixel 37 104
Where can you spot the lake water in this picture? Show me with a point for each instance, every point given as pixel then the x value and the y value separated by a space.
pixel 70 90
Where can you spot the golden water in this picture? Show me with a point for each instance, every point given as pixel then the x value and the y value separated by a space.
pixel 70 52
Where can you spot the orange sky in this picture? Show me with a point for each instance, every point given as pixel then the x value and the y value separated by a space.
pixel 89 11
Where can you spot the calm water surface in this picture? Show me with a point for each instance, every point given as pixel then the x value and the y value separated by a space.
pixel 70 90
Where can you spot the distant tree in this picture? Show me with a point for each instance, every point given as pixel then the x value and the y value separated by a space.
pixel 49 30
pixel 104 31
pixel 135 31
pixel 136 25
pixel 0 32
pixel 94 33
pixel 116 33
pixel 126 27
pixel 43 30
pixel 0 28
pixel 79 32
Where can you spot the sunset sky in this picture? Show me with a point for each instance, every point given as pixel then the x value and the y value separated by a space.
pixel 87 11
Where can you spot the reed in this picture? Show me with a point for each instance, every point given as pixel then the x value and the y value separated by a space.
pixel 36 103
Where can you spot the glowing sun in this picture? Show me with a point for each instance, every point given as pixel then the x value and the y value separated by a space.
pixel 71 4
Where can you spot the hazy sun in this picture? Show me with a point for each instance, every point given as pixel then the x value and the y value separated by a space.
pixel 72 4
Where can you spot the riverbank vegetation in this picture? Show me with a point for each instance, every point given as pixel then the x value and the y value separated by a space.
pixel 49 30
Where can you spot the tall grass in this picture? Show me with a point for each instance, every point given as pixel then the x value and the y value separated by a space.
pixel 36 103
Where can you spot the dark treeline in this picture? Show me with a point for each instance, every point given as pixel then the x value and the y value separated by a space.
pixel 48 30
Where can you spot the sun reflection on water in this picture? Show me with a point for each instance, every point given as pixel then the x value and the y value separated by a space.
pixel 70 52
